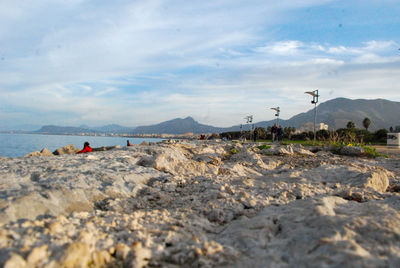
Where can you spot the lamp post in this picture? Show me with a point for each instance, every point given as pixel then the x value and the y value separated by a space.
pixel 277 110
pixel 249 120
pixel 315 95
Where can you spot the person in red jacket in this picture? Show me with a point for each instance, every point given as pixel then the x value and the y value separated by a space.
pixel 128 143
pixel 86 148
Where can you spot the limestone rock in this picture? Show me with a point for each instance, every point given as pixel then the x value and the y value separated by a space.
pixel 68 149
pixel 166 206
pixel 37 254
pixel 45 152
pixel 76 255
pixel 139 256
pixel 33 154
pixel 106 148
pixel 16 261
pixel 352 151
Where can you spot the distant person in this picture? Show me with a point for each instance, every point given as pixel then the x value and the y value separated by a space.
pixel 86 148
pixel 255 134
pixel 274 131
pixel 128 143
pixel 279 133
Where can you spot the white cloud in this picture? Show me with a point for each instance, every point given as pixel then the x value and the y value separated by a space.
pixel 141 62
pixel 282 48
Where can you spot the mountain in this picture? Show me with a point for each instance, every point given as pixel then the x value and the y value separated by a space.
pixel 178 126
pixel 338 112
pixel 19 128
pixel 51 129
pixel 113 128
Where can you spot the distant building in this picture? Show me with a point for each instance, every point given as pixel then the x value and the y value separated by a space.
pixel 309 126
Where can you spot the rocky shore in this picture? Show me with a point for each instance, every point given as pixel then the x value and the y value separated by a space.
pixel 200 204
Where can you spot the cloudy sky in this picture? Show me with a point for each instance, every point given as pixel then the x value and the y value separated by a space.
pixel 142 62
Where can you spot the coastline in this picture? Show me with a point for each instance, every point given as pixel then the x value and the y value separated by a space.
pixel 196 203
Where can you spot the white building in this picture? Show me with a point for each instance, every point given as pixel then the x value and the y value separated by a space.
pixel 309 126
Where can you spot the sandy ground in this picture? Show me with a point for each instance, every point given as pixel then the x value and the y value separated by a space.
pixel 394 151
pixel 200 204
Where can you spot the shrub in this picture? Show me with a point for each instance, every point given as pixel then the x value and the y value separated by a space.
pixel 264 146
pixel 234 151
pixel 371 152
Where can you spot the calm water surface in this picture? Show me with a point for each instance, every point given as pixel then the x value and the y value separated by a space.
pixel 18 145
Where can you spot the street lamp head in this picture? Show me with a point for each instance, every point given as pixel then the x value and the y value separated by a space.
pixel 249 119
pixel 312 93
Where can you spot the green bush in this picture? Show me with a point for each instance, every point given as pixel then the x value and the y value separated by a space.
pixel 234 151
pixel 264 146
pixel 371 152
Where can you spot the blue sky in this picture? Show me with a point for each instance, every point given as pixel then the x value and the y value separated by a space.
pixel 142 62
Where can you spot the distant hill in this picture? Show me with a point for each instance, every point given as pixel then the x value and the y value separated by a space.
pixel 336 113
pixel 114 128
pixel 51 129
pixel 19 128
pixel 177 126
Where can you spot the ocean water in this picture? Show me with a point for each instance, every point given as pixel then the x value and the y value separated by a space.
pixel 18 145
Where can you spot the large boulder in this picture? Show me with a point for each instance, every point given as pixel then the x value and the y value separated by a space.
pixel 33 154
pixel 45 152
pixel 68 149
pixel 351 151
pixel 347 176
pixel 106 148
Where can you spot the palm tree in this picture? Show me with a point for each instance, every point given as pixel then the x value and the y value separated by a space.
pixel 350 125
pixel 366 122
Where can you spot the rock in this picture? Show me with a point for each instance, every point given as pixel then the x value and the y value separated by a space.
pixel 68 149
pixel 76 255
pixel 138 257
pixel 122 251
pixel 324 153
pixel 143 143
pixel 106 148
pixel 351 151
pixel 165 206
pixel 279 150
pixel 37 254
pixel 16 261
pixel 363 178
pixel 46 152
pixel 101 258
pixel 300 150
pixel 55 227
pixel 377 180
pixel 33 154
pixel 248 158
pixel 209 159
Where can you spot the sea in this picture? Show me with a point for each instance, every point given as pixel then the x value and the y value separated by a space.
pixel 18 145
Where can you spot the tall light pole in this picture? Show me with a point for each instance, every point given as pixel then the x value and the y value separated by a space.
pixel 315 95
pixel 277 110
pixel 249 120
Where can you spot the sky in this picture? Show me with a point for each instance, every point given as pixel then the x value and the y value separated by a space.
pixel 137 63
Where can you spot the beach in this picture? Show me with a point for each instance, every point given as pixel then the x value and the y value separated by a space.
pixel 200 204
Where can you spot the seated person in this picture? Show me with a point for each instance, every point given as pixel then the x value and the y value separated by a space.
pixel 86 148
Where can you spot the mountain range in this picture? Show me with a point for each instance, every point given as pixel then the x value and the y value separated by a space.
pixel 336 113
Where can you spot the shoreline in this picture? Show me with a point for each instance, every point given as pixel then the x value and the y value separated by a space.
pixel 195 203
